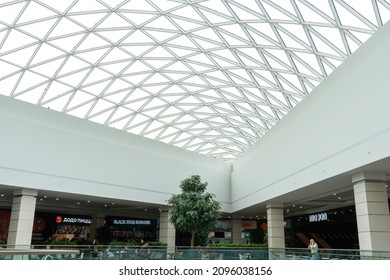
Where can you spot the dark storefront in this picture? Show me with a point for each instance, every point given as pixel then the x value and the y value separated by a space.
pixel 49 227
pixel 4 224
pixel 54 227
pixel 43 229
pixel 131 229
pixel 72 227
pixel 335 229
pixel 252 231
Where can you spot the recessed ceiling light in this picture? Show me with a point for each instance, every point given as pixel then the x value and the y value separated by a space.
pixel 41 199
pixel 88 201
pixel 105 205
pixel 78 203
pixel 2 195
pixel 45 196
pixel 57 198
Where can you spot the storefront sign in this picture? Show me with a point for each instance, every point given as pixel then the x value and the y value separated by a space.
pixel 131 222
pixel 319 217
pixel 249 224
pixel 73 220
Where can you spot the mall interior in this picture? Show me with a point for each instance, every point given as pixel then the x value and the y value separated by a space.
pixel 90 138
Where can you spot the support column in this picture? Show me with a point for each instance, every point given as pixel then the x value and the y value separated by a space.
pixel 236 230
pixel 275 222
pixel 372 212
pixel 22 219
pixel 97 222
pixel 167 232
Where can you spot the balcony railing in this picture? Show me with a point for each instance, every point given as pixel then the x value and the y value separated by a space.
pixel 39 254
pixel 104 252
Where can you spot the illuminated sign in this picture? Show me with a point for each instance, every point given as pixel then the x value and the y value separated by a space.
pixel 249 224
pixel 73 220
pixel 319 217
pixel 132 222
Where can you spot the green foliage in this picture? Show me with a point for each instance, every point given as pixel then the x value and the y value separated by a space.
pixel 237 245
pixel 136 244
pixel 194 210
pixel 2 241
pixel 157 244
pixel 63 242
pixel 123 243
pixel 201 238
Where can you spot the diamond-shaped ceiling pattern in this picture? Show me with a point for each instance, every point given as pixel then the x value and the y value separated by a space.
pixel 208 76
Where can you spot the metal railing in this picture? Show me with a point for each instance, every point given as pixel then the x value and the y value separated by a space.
pixel 105 252
pixel 326 254
pixel 39 254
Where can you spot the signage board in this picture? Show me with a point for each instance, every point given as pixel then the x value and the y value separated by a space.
pixel 318 217
pixel 73 220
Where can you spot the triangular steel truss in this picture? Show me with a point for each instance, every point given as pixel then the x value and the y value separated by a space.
pixel 208 76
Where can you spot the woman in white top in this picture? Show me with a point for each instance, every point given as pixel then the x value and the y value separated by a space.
pixel 313 249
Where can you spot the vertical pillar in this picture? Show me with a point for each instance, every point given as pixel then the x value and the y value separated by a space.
pixel 22 219
pixel 275 222
pixel 167 232
pixel 97 222
pixel 236 230
pixel 372 212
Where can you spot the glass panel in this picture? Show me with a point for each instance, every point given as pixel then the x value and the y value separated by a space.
pixel 245 61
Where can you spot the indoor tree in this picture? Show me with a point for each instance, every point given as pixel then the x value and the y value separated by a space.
pixel 194 210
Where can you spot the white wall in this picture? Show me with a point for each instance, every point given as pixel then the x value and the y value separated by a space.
pixel 343 124
pixel 44 149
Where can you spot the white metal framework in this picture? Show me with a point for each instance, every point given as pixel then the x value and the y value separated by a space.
pixel 208 76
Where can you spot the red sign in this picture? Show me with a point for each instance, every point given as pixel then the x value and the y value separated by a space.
pixel 248 224
pixel 58 219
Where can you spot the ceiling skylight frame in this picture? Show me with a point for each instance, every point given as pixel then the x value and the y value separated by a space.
pixel 255 76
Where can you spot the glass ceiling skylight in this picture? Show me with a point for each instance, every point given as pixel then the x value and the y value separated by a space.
pixel 208 76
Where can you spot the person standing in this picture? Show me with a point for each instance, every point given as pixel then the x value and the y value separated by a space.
pixel 313 246
pixel 144 252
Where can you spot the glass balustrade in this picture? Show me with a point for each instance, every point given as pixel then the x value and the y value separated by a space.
pixel 101 252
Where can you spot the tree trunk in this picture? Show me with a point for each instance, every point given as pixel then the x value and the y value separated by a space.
pixel 192 238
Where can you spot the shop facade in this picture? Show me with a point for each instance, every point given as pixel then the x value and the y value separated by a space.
pixel 332 229
pixel 50 228
pixel 129 229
